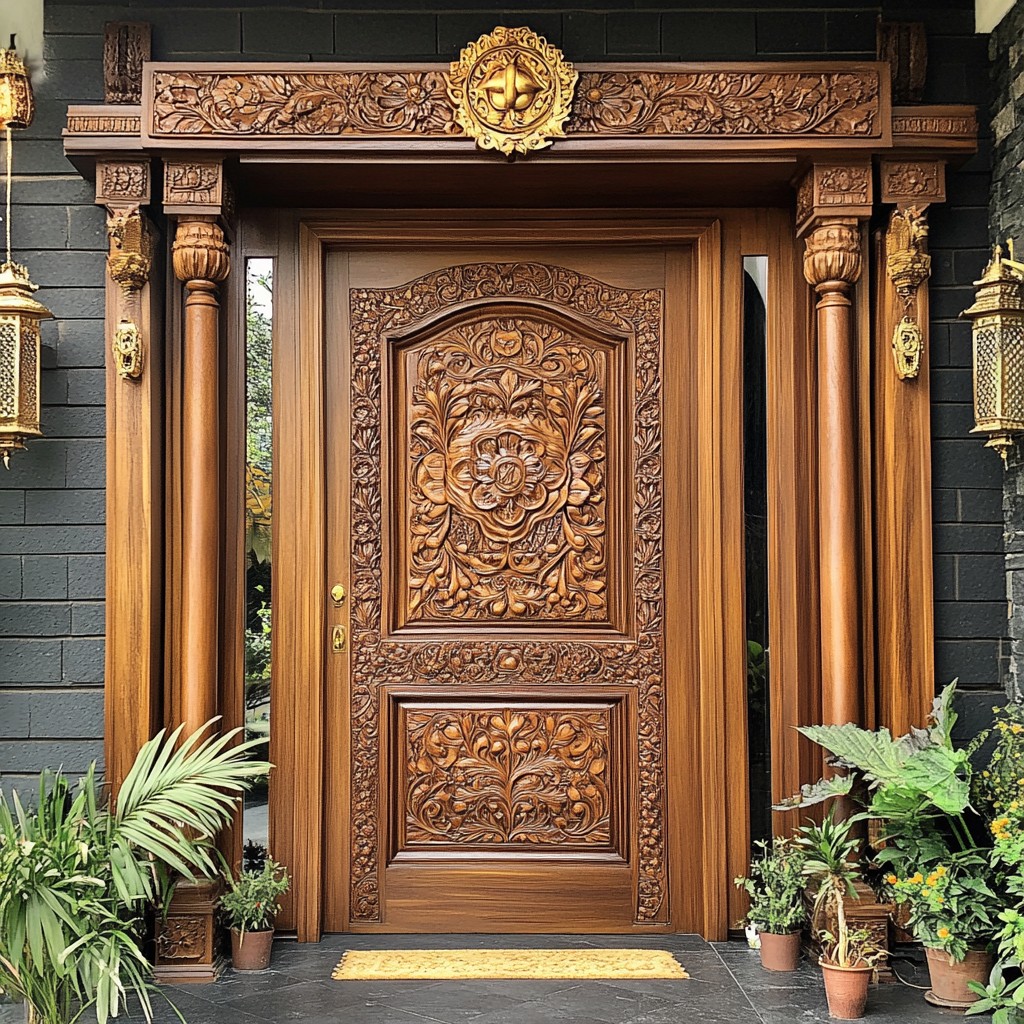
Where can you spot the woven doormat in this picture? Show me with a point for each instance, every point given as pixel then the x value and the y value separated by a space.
pixel 467 964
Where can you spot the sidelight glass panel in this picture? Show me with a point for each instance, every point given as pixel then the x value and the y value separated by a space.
pixel 259 313
pixel 755 467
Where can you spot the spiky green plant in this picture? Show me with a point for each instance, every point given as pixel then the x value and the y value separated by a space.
pixel 77 872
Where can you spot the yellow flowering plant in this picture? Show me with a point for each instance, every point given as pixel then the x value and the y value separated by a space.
pixel 1001 782
pixel 952 907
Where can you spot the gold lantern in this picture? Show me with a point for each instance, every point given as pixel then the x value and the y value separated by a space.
pixel 998 327
pixel 20 313
pixel 16 105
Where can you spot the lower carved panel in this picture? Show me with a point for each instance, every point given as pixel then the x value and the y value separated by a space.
pixel 507 777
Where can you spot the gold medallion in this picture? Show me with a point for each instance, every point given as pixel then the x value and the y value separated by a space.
pixel 512 90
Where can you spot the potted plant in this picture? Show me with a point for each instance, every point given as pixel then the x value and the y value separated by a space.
pixel 953 914
pixel 848 956
pixel 775 886
pixel 77 873
pixel 250 906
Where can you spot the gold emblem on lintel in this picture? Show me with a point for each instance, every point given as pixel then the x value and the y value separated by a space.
pixel 512 91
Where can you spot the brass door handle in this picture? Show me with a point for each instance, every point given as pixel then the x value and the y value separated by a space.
pixel 338 594
pixel 338 639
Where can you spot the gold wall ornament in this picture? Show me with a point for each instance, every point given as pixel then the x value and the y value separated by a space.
pixel 17 107
pixel 128 350
pixel 130 257
pixel 512 91
pixel 908 266
pixel 20 343
pixel 998 328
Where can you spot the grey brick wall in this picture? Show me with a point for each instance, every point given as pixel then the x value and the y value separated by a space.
pixel 51 503
pixel 1006 220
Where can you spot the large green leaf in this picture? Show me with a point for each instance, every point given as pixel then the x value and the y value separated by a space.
pixel 876 754
pixel 940 773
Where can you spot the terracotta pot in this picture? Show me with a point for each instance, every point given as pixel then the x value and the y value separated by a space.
pixel 846 989
pixel 949 980
pixel 780 952
pixel 251 952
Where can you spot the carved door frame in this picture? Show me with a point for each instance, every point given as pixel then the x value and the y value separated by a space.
pixel 174 595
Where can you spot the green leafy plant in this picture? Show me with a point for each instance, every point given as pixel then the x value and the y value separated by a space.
pixel 829 850
pixel 1003 999
pixel 952 908
pixel 775 886
pixel 250 902
pixel 77 872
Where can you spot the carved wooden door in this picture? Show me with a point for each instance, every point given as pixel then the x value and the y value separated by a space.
pixel 502 526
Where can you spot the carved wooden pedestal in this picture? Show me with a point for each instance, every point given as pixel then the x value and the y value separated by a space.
pixel 187 940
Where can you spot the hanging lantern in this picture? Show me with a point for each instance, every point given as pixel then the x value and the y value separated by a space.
pixel 998 329
pixel 16 104
pixel 20 314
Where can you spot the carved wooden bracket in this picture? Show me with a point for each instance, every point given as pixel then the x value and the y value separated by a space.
pixel 123 187
pixel 833 190
pixel 194 186
pixel 913 182
pixel 127 45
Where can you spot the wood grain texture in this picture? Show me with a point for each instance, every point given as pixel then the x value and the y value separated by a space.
pixel 133 668
pixel 903 514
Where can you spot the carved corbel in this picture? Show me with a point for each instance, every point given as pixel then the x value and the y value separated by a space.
pixel 911 186
pixel 194 186
pixel 833 190
pixel 123 187
pixel 127 45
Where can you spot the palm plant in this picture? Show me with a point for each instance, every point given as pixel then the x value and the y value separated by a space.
pixel 828 860
pixel 77 873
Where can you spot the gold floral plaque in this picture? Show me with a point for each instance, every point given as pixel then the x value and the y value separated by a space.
pixel 512 90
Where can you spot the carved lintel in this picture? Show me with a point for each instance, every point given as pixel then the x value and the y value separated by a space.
pixel 940 127
pixel 199 252
pixel 108 121
pixel 193 186
pixel 127 45
pixel 832 259
pixel 904 46
pixel 913 182
pixel 831 190
pixel 845 102
pixel 908 266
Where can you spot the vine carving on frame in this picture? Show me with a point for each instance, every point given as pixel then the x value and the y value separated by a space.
pixel 380 314
pixel 726 102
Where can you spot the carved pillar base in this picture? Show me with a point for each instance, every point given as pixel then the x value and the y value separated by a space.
pixel 188 947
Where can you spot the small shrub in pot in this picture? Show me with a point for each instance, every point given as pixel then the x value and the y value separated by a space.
pixel 250 906
pixel 775 886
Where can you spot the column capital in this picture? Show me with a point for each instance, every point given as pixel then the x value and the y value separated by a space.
pixel 196 185
pixel 199 252
pixel 832 260
pixel 829 190
pixel 912 182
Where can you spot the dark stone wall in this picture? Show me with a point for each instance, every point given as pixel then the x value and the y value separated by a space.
pixel 1006 220
pixel 52 501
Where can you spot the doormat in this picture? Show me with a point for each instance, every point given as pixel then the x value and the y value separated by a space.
pixel 468 964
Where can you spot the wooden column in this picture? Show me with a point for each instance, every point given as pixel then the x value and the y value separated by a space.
pixel 200 257
pixel 186 943
pixel 830 203
pixel 832 264
pixel 902 445
pixel 134 391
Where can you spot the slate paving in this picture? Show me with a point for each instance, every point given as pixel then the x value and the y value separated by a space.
pixel 726 986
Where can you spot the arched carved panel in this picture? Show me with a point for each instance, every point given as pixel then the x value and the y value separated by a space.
pixel 502 467
pixel 382 660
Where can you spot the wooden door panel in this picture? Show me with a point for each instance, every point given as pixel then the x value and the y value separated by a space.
pixel 507 680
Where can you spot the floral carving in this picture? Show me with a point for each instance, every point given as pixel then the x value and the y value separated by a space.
pixel 835 104
pixel 379 314
pixel 920 180
pixel 124 180
pixel 507 513
pixel 326 103
pixel 726 103
pixel 507 776
pixel 192 182
pixel 181 938
pixel 840 186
